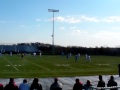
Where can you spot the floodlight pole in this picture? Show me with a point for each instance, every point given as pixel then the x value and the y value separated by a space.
pixel 52 10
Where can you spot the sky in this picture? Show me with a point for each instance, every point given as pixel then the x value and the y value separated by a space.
pixel 86 23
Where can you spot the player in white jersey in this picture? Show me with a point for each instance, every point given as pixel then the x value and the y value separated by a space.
pixel 10 53
pixel 89 58
pixel 40 54
pixel 34 54
pixel 0 54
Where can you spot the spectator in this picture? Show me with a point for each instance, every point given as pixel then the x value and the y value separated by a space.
pixel 101 83
pixel 1 87
pixel 35 85
pixel 11 85
pixel 78 85
pixel 112 82
pixel 56 85
pixel 119 69
pixel 24 85
pixel 88 85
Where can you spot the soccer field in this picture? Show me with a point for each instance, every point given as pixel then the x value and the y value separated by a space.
pixel 56 66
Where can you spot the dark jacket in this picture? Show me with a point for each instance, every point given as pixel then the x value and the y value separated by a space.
pixel 11 86
pixel 36 86
pixel 101 83
pixel 78 86
pixel 112 83
pixel 56 86
pixel 1 87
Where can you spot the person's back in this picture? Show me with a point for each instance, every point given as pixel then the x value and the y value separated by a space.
pixel 88 85
pixel 11 85
pixel 101 83
pixel 1 87
pixel 78 85
pixel 119 69
pixel 24 85
pixel 112 82
pixel 56 85
pixel 35 85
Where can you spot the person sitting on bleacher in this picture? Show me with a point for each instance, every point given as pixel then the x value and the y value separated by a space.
pixel 88 85
pixel 1 87
pixel 35 85
pixel 11 85
pixel 78 85
pixel 101 83
pixel 112 82
pixel 56 85
pixel 24 85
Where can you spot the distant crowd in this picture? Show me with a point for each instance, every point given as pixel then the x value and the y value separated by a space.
pixel 56 85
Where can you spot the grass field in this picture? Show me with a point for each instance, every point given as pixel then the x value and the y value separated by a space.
pixel 52 66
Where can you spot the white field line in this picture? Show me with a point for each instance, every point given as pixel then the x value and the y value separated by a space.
pixel 38 65
pixel 68 67
pixel 11 64
pixel 44 71
pixel 74 68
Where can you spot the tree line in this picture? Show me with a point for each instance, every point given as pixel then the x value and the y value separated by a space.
pixel 47 49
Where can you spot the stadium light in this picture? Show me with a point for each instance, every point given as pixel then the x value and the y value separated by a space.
pixel 53 11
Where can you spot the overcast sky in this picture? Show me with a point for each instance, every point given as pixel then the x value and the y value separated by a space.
pixel 87 23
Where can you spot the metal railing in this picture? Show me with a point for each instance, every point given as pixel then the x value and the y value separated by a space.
pixel 105 88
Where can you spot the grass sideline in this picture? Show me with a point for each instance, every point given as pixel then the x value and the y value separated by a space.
pixel 56 66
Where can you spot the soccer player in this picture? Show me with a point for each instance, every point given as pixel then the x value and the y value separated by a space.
pixel 40 54
pixel 10 53
pixel 67 56
pixel 22 55
pixel 78 55
pixel 0 54
pixel 62 53
pixel 34 54
pixel 86 57
pixel 76 58
pixel 70 54
pixel 89 58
